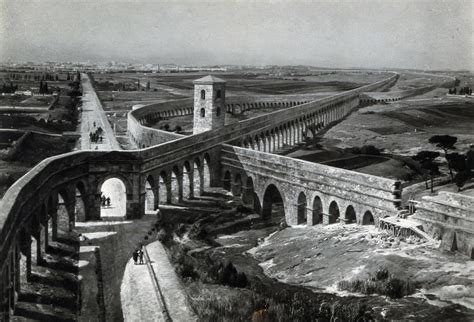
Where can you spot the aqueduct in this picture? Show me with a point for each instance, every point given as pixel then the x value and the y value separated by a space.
pixel 236 156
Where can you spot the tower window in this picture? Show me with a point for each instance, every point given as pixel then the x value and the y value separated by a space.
pixel 203 94
pixel 218 94
pixel 218 111
pixel 203 112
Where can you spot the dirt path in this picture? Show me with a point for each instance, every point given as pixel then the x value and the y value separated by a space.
pixel 93 113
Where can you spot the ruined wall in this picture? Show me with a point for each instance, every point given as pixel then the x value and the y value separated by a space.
pixel 449 217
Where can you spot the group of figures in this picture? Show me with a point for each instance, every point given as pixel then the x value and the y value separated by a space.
pixel 138 255
pixel 105 201
pixel 96 136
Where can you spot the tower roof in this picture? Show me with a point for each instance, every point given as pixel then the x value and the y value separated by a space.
pixel 209 79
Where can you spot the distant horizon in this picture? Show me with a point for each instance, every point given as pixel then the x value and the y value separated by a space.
pixel 239 65
pixel 369 34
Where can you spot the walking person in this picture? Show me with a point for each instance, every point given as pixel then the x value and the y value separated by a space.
pixel 135 255
pixel 108 201
pixel 140 254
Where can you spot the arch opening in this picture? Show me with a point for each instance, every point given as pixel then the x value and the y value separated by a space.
pixel 80 214
pixel 164 193
pixel 150 202
pixel 273 205
pixel 64 222
pixel 301 209
pixel 206 172
pixel 187 179
pixel 175 186
pixel 368 218
pixel 350 216
pixel 197 174
pixel 113 198
pixel 333 212
pixel 317 211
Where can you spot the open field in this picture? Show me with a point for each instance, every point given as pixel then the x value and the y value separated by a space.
pixel 404 127
pixel 24 100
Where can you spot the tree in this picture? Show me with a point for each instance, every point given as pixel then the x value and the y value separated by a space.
pixel 461 178
pixel 462 166
pixel 445 142
pixel 457 162
pixel 470 160
pixel 428 165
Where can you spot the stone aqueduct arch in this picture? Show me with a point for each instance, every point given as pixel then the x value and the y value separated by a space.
pixel 302 206
pixel 30 205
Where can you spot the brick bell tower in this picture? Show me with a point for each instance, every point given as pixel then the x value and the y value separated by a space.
pixel 209 104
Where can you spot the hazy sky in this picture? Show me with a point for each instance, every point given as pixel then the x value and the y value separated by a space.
pixel 369 33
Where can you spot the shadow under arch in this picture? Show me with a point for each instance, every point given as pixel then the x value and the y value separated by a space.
pixel 333 212
pixel 368 218
pixel 350 215
pixel 273 203
pixel 301 209
pixel 317 210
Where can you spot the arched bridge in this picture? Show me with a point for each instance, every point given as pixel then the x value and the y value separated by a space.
pixel 236 154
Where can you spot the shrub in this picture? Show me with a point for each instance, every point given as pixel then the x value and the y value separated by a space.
pixel 382 283
pixel 381 274
pixel 163 236
pixel 228 275
pixel 369 149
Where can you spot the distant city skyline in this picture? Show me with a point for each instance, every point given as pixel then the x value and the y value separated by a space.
pixel 338 34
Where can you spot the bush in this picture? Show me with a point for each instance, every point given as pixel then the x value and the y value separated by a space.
pixel 183 263
pixel 228 275
pixel 382 283
pixel 163 236
pixel 381 274
pixel 370 150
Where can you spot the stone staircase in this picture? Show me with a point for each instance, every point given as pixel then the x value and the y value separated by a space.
pixel 51 294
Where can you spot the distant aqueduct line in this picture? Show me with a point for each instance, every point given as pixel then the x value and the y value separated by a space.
pixel 235 157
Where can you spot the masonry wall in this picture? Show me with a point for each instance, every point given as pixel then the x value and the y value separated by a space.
pixel 362 191
pixel 22 200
